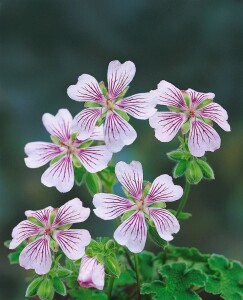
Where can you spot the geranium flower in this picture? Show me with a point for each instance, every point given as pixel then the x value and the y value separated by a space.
pixel 67 148
pixel 192 107
pixel 117 131
pixel 37 254
pixel 133 231
pixel 91 273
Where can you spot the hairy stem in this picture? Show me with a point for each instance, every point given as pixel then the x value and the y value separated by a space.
pixel 137 274
pixel 111 281
pixel 184 198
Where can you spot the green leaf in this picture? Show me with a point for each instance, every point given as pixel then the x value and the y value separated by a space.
pixel 46 290
pixel 146 265
pixel 180 168
pixel 193 172
pixel 59 286
pixel 79 175
pixel 93 183
pixel 33 287
pixel 123 114
pixel 206 169
pixel 182 215
pixel 156 238
pixel 87 294
pixel 227 280
pixel 177 285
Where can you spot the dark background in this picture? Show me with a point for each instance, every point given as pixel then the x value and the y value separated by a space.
pixel 46 45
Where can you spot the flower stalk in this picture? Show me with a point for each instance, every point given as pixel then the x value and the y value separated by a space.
pixel 137 274
pixel 184 198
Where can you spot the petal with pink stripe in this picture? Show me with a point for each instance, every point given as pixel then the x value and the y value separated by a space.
pixel 140 106
pixel 169 95
pixel 197 97
pixel 202 137
pixel 84 122
pixel 60 175
pixel 165 222
pixel 86 89
pixel 131 177
pixel 70 213
pixel 163 189
pixel 132 232
pixel 119 76
pixel 59 125
pixel 42 215
pixel 23 231
pixel 167 124
pixel 40 153
pixel 37 256
pixel 72 242
pixel 110 206
pixel 216 113
pixel 118 132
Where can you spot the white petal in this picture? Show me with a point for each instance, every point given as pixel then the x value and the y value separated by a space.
pixel 131 177
pixel 70 213
pixel 40 153
pixel 22 231
pixel 118 132
pixel 170 95
pixel 202 137
pixel 59 125
pixel 97 134
pixel 197 97
pixel 86 89
pixel 166 223
pixel 216 113
pixel 84 122
pixel 132 233
pixel 119 76
pixel 166 124
pixel 42 215
pixel 37 256
pixel 140 106
pixel 94 159
pixel 60 175
pixel 163 189
pixel 72 242
pixel 109 206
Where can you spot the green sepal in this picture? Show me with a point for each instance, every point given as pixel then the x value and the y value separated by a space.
pixel 46 290
pixel 158 204
pixel 111 265
pixel 126 215
pixel 108 178
pixel 180 168
pixel 122 94
pixel 174 109
pixel 146 188
pixel 53 215
pixel 178 155
pixel 123 114
pixel 206 120
pixel 103 88
pixel 56 159
pixel 33 287
pixel 110 245
pixel 185 127
pixel 59 286
pixel 155 237
pixel 64 227
pixel 187 98
pixel 55 139
pixel 63 273
pixel 76 161
pixel 14 258
pixel 204 103
pixel 86 144
pixel 193 172
pixel 35 221
pixel 7 243
pixel 79 175
pixel 206 169
pixel 93 183
pixel 54 245
pixel 73 136
pixel 91 104
pixel 182 215
pixel 127 194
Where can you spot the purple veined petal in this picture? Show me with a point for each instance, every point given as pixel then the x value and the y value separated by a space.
pixel 59 125
pixel 163 189
pixel 84 122
pixel 216 113
pixel 37 256
pixel 119 76
pixel 169 95
pixel 42 215
pixel 23 231
pixel 97 134
pixel 86 89
pixel 132 233
pixel 94 159
pixel 165 222
pixel 202 137
pixel 40 153
pixel 131 177
pixel 91 273
pixel 60 175
pixel 140 106
pixel 197 97
pixel 70 213
pixel 118 132
pixel 110 206
pixel 72 242
pixel 166 124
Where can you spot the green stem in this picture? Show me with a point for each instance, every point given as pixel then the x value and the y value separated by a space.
pixel 184 198
pixel 137 274
pixel 128 258
pixel 111 281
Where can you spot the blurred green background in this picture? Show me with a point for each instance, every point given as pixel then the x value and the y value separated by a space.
pixel 46 45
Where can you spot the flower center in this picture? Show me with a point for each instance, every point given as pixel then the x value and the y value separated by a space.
pixel 70 148
pixel 140 204
pixel 48 231
pixel 110 104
